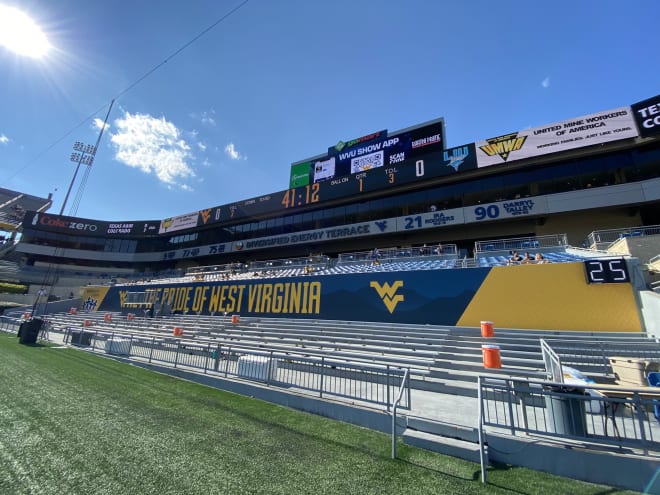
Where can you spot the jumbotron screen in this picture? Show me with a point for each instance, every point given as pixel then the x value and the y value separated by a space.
pixel 375 150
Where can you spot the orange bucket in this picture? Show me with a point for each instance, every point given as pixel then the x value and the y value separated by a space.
pixel 73 311
pixel 235 318
pixel 178 331
pixel 491 355
pixel 487 329
pixel 87 323
pixel 107 317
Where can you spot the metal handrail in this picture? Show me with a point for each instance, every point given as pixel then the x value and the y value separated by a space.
pixel 537 242
pixel 594 414
pixel 605 238
pixel 296 371
pixel 552 361
pixel 402 388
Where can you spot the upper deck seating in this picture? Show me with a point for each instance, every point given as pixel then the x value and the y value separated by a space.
pixel 14 204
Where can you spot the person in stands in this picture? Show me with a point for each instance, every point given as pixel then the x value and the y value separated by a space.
pixel 539 259
pixel 375 257
pixel 527 259
pixel 515 258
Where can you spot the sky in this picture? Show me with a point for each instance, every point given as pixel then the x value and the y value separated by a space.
pixel 215 99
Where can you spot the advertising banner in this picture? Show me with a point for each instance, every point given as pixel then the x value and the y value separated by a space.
pixel 299 174
pixel 460 159
pixel 67 225
pixel 187 221
pixel 598 128
pixel 647 116
pixel 87 227
pixel 423 296
pixel 132 228
pixel 319 235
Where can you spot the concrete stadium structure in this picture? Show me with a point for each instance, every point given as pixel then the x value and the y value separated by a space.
pixel 586 188
pixel 584 192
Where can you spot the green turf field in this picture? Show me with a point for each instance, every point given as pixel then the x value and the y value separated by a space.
pixel 76 423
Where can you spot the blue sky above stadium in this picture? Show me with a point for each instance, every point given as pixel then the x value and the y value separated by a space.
pixel 215 99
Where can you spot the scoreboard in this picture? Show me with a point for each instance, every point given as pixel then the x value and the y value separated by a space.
pixel 376 162
pixel 398 172
pixel 422 167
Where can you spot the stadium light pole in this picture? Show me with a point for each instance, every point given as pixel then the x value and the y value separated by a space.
pixel 83 154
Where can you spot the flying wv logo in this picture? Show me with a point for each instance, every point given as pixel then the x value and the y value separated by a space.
pixel 382 225
pixel 205 214
pixel 388 293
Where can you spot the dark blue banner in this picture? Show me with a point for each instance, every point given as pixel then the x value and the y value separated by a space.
pixel 402 297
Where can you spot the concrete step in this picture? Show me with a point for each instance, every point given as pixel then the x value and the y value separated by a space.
pixel 477 366
pixel 453 386
pixel 441 444
pixel 450 430
pixel 460 360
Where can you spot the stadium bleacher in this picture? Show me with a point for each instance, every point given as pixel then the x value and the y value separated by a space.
pixel 442 359
pixel 14 204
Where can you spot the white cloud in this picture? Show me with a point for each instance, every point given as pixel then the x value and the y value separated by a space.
pixel 98 124
pixel 546 82
pixel 153 146
pixel 201 146
pixel 3 139
pixel 206 117
pixel 233 153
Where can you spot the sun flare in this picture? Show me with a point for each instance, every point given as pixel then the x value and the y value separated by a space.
pixel 21 34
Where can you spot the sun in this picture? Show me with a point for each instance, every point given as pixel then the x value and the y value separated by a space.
pixel 21 34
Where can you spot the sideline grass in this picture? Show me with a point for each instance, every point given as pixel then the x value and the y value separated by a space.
pixel 77 423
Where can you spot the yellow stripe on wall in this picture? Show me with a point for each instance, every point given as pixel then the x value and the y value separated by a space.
pixel 552 297
pixel 95 292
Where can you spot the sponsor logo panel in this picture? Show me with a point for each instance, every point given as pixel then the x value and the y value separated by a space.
pixel 598 128
pixel 647 116
pixel 181 222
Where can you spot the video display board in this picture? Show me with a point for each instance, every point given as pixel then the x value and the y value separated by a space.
pixel 87 227
pixel 369 152
pixel 377 150
pixel 422 164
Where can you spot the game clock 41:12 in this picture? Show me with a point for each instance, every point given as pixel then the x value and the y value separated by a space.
pixel 301 196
